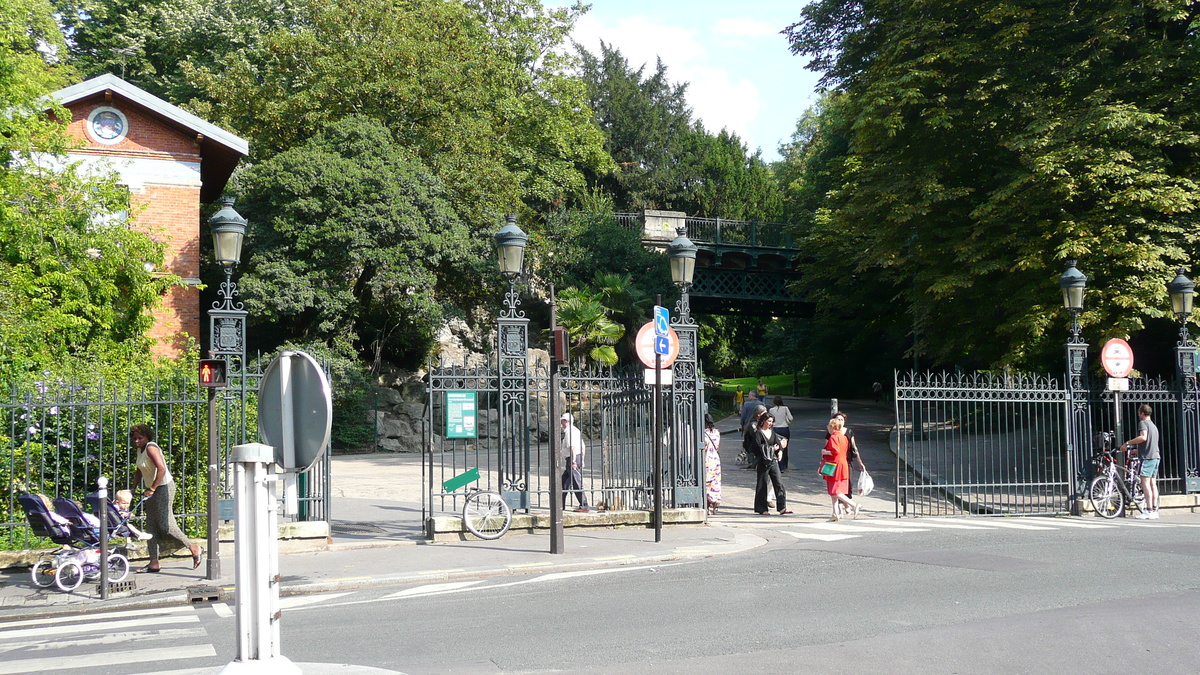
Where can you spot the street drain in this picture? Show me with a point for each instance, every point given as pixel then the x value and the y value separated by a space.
pixel 203 594
pixel 355 528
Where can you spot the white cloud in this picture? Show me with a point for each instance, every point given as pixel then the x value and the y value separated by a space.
pixel 745 28
pixel 716 96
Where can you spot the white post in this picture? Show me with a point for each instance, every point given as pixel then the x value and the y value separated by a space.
pixel 256 561
pixel 291 499
pixel 102 504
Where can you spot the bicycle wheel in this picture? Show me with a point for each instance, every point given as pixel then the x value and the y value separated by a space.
pixel 69 576
pixel 43 573
pixel 118 568
pixel 1107 500
pixel 487 515
pixel 1139 498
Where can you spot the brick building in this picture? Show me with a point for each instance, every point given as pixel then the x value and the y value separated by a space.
pixel 171 161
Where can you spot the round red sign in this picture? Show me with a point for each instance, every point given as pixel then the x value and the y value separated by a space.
pixel 645 346
pixel 1117 358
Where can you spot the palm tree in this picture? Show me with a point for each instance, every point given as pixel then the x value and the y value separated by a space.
pixel 587 320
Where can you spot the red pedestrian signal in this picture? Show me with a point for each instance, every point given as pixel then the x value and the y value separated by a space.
pixel 212 373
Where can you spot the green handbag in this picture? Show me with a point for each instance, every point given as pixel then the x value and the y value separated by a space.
pixel 828 469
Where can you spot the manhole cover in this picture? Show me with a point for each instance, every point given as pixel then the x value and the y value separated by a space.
pixel 355 528
pixel 203 594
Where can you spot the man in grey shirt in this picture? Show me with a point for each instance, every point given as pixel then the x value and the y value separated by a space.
pixel 1149 452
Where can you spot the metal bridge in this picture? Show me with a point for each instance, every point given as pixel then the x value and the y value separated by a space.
pixel 742 266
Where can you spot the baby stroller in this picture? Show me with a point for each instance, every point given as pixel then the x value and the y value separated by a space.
pixel 79 557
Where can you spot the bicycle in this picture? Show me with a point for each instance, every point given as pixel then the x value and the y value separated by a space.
pixel 486 514
pixel 1115 486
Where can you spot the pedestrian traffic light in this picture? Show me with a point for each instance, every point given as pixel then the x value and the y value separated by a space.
pixel 560 345
pixel 212 373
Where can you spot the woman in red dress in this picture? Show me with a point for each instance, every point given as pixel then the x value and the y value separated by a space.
pixel 837 449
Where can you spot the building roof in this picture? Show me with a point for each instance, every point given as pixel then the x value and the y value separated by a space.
pixel 220 150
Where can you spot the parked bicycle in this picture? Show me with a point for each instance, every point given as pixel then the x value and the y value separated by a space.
pixel 1115 486
pixel 486 514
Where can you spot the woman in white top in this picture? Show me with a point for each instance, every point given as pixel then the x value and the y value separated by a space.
pixel 158 487
pixel 783 421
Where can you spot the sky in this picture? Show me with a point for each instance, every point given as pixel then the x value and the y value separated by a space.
pixel 740 73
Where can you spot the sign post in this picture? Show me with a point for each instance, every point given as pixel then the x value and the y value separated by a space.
pixel 213 375
pixel 1117 359
pixel 657 347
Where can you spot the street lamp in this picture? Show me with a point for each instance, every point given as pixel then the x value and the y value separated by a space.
pixel 227 340
pixel 1182 290
pixel 681 253
pixel 510 244
pixel 1073 282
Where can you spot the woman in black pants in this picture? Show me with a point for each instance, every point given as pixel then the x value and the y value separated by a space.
pixel 770 448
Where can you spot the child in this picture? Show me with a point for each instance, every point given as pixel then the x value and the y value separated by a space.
pixel 122 501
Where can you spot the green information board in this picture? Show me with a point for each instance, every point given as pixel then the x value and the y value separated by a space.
pixel 460 414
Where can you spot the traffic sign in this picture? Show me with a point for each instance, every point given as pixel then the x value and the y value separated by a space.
pixel 644 344
pixel 1117 358
pixel 662 321
pixel 662 345
pixel 295 410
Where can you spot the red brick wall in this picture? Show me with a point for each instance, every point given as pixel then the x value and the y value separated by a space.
pixel 170 213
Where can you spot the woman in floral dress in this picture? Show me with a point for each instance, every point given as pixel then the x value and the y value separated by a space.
pixel 712 465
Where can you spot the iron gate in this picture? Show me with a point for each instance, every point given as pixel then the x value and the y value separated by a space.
pixel 611 407
pixel 1021 444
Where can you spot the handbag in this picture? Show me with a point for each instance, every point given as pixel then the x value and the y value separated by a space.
pixel 828 469
pixel 863 484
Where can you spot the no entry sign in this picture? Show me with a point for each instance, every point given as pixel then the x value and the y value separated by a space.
pixel 1117 358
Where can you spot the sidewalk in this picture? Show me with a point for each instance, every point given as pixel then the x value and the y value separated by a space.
pixel 377 537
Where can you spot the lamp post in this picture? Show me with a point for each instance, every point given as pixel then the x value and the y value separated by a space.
pixel 1182 291
pixel 687 389
pixel 1073 283
pixel 513 363
pixel 681 253
pixel 227 340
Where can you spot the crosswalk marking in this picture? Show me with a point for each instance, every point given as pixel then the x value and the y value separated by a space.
pixel 1068 522
pixel 123 656
pixel 92 626
pixel 99 616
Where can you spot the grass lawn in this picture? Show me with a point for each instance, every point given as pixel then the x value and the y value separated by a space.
pixel 776 384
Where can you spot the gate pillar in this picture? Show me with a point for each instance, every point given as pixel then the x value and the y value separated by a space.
pixel 1189 414
pixel 686 409
pixel 1079 416
pixel 512 348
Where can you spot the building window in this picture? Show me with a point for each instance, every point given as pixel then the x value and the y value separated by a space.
pixel 107 125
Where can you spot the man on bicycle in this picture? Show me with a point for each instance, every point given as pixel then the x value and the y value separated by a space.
pixel 1148 438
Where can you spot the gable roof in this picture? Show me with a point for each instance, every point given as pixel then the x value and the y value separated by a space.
pixel 220 150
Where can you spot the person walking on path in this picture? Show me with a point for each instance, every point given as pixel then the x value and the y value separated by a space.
pixel 749 429
pixel 783 420
pixel 770 448
pixel 838 484
pixel 749 414
pixel 739 398
pixel 1149 452
pixel 158 487
pixel 762 391
pixel 572 451
pixel 852 455
pixel 712 465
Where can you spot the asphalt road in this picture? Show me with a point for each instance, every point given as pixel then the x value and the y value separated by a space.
pixel 944 596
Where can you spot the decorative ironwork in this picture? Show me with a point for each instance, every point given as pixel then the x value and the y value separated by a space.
pixel 227 324
pixel 744 284
pixel 512 300
pixel 1079 415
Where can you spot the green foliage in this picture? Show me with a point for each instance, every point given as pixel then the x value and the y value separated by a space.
pixel 587 320
pixel 73 277
pixel 353 243
pixel 966 150
pixel 664 159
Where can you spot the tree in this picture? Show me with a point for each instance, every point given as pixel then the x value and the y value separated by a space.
pixel 664 159
pixel 587 321
pixel 355 244
pixel 985 144
pixel 75 280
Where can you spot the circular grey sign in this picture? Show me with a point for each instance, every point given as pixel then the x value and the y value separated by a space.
pixel 295 407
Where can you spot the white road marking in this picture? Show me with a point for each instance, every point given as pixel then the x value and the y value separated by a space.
pixel 294 601
pixel 41 644
pixel 848 527
pixel 124 656
pixel 822 537
pixel 1012 524
pixel 431 589
pixel 1069 522
pixel 222 610
pixel 94 627
pixel 100 616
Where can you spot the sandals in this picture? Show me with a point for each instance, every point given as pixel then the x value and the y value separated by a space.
pixel 197 557
pixel 786 512
pixel 147 570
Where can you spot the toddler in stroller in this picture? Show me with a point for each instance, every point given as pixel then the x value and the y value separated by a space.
pixel 66 524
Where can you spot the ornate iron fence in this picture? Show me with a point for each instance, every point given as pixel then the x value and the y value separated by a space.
pixel 57 437
pixel 980 444
pixel 1021 444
